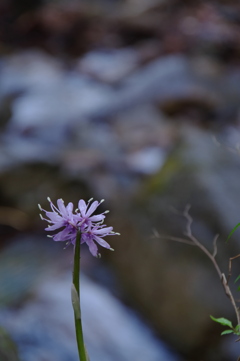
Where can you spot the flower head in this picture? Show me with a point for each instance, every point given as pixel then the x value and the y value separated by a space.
pixel 61 218
pixel 94 234
pixel 68 224
pixel 86 211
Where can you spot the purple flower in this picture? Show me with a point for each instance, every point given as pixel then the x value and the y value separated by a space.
pixel 86 211
pixel 61 217
pixel 94 234
pixel 68 224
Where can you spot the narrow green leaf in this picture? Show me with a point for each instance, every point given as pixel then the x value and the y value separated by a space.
pixel 87 355
pixel 226 332
pixel 75 302
pixel 222 321
pixel 238 278
pixel 238 289
pixel 232 231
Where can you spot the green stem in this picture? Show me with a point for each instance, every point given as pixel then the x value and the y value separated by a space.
pixel 76 301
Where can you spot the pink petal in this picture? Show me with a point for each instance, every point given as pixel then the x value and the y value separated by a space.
pixel 92 208
pixel 103 230
pixel 97 218
pixel 61 207
pixel 54 216
pixel 82 207
pixel 92 247
pixel 69 208
pixel 54 227
pixel 101 242
pixel 64 235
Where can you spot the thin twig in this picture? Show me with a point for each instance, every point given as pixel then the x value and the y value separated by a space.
pixel 215 245
pixel 192 240
pixel 230 267
pixel 176 239
pixel 212 259
pixel 189 234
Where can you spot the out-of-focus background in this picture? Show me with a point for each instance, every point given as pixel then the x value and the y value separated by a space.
pixel 136 102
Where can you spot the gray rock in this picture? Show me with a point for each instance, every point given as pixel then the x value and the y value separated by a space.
pixel 109 66
pixel 44 327
pixel 55 98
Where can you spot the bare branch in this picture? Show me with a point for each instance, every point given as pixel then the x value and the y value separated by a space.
pixel 194 241
pixel 177 239
pixel 215 245
pixel 230 295
pixel 230 266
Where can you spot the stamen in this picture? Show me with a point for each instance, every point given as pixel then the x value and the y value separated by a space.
pixel 49 199
pixel 39 206
pixel 102 200
pixel 44 219
pixel 49 236
pixel 111 249
pixel 55 209
pixel 67 244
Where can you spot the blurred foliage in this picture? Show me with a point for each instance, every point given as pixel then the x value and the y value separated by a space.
pixel 8 349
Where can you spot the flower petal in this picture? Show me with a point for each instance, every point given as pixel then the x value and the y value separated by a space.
pixel 54 227
pixel 82 207
pixel 92 247
pixel 96 218
pixel 64 235
pixel 54 217
pixel 92 208
pixel 102 231
pixel 62 207
pixel 101 242
pixel 69 208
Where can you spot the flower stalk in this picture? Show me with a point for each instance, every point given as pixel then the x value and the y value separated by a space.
pixel 76 301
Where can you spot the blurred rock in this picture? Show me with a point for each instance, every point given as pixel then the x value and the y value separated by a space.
pixel 135 7
pixel 109 66
pixel 43 327
pixel 57 98
pixel 21 268
pixel 27 71
pixel 146 161
pixel 180 279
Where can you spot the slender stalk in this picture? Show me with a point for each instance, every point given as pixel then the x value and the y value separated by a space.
pixel 212 256
pixel 221 275
pixel 76 301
